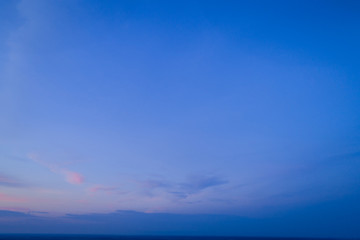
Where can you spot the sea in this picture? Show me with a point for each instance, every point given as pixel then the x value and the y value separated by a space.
pixel 110 237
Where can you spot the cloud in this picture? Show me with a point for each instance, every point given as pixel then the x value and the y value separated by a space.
pixel 8 213
pixel 195 184
pixel 7 198
pixel 181 190
pixel 331 222
pixel 73 177
pixel 152 184
pixel 15 209
pixel 69 176
pixel 38 212
pixel 101 188
pixel 9 182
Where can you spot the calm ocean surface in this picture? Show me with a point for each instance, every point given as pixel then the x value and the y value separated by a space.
pixel 106 237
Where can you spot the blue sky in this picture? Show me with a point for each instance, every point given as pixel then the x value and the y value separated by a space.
pixel 246 109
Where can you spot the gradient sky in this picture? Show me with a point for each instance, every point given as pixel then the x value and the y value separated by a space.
pixel 240 109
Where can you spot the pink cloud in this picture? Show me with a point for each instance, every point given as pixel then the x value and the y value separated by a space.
pixel 74 177
pixel 70 176
pixel 6 198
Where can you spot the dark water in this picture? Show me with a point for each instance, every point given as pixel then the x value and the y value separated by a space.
pixel 107 237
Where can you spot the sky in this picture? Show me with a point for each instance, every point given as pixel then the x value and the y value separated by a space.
pixel 180 117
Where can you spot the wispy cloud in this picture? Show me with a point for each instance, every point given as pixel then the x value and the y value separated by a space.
pixel 10 213
pixel 181 190
pixel 14 209
pixel 9 181
pixel 152 184
pixel 69 176
pixel 195 184
pixel 73 177
pixel 102 188
pixel 7 198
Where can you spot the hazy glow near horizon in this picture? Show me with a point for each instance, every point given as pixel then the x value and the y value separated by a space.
pixel 202 107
